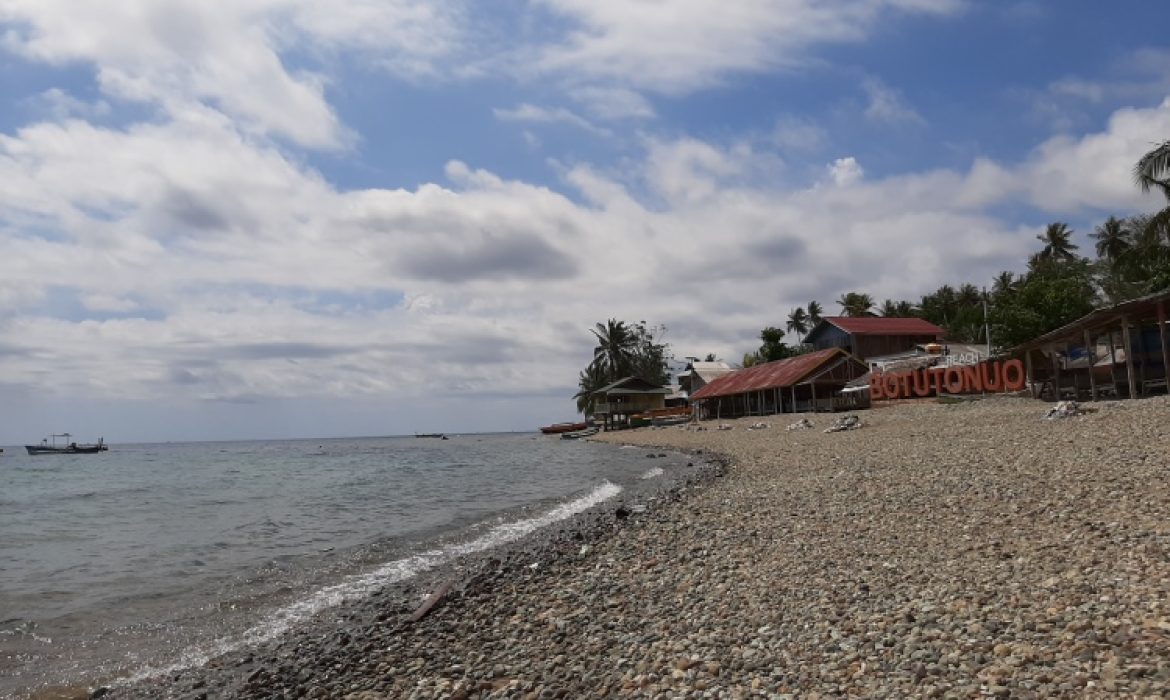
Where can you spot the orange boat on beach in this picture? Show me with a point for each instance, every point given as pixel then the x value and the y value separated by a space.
pixel 563 428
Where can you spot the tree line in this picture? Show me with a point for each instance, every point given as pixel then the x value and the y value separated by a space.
pixel 1130 258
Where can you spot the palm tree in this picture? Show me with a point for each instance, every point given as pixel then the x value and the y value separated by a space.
pixel 1058 245
pixel 903 309
pixel 1004 282
pixel 815 312
pixel 589 380
pixel 889 308
pixel 1113 240
pixel 855 304
pixel 969 295
pixel 1152 172
pixel 797 322
pixel 616 350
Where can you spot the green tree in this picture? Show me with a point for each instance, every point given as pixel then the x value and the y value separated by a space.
pixel 589 380
pixel 1004 283
pixel 798 321
pixel 616 348
pixel 1152 172
pixel 1051 295
pixel 815 313
pixel 623 350
pixel 855 304
pixel 773 347
pixel 1057 240
pixel 651 357
pixel 1114 241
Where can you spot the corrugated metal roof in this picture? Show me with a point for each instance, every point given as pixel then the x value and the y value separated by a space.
pixel 1140 307
pixel 770 375
pixel 882 325
pixel 632 385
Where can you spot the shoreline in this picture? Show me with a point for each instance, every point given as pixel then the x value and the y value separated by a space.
pixel 940 551
pixel 390 607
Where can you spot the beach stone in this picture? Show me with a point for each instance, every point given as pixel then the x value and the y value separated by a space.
pixel 947 551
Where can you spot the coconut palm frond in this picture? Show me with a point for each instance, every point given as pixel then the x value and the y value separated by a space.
pixel 1152 171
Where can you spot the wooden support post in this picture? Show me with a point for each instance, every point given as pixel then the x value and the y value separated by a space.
pixel 1055 374
pixel 813 386
pixel 1091 351
pixel 1030 373
pixel 1113 361
pixel 1141 339
pixel 1165 349
pixel 1128 358
pixel 794 398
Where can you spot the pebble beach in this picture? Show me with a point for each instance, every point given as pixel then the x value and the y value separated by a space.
pixel 960 550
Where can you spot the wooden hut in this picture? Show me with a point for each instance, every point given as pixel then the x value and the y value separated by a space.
pixel 615 404
pixel 870 336
pixel 1118 351
pixel 810 382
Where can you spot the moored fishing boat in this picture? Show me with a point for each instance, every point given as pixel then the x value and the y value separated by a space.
pixel 49 446
pixel 577 434
pixel 563 428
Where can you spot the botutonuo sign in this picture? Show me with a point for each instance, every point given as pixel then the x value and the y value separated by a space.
pixel 993 376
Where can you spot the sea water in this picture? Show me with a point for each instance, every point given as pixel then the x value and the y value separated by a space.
pixel 152 557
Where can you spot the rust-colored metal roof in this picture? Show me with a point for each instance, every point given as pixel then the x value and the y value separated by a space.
pixel 884 325
pixel 770 375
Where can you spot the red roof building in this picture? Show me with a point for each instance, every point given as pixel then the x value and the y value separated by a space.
pixel 872 336
pixel 803 383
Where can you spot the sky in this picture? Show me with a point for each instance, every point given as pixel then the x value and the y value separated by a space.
pixel 287 218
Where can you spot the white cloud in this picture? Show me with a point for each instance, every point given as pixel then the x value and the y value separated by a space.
pixel 1070 174
pixel 682 45
pixel 534 114
pixel 845 171
pixel 253 277
pixel 796 134
pixel 236 252
pixel 613 103
pixel 60 105
pixel 174 52
pixel 886 105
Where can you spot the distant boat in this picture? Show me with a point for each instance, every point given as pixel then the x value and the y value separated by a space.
pixel 563 428
pixel 431 435
pixel 49 446
pixel 577 434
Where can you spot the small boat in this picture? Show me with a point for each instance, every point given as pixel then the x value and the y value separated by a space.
pixel 578 434
pixel 431 435
pixel 49 446
pixel 563 428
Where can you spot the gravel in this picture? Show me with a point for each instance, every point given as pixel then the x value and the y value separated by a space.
pixel 939 551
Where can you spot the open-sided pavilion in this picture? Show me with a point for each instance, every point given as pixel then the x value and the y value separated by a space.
pixel 809 382
pixel 1118 351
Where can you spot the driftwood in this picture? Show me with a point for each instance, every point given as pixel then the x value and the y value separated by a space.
pixel 432 601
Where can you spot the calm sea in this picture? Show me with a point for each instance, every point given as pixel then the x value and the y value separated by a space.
pixel 153 556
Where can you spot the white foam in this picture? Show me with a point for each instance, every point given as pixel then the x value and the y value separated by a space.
pixel 361 585
pixel 651 473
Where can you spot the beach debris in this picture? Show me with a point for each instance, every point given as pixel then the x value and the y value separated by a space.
pixel 1064 409
pixel 802 424
pixel 585 550
pixel 849 422
pixel 724 426
pixel 432 600
pixel 759 426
